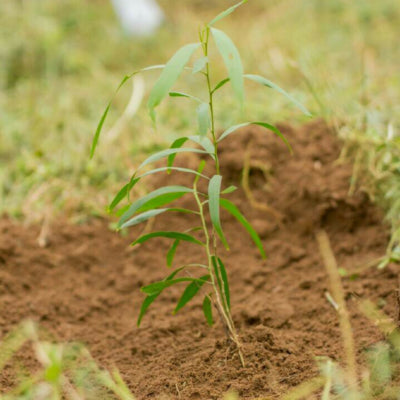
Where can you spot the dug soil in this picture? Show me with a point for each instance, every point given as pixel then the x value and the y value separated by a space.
pixel 84 286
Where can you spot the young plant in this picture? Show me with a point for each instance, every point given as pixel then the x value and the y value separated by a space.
pixel 214 279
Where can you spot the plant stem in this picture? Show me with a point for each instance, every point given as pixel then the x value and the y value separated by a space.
pixel 210 102
pixel 222 309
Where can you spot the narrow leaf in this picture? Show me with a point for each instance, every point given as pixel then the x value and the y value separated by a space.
pixel 207 310
pixel 188 96
pixel 203 118
pixel 162 196
pixel 214 189
pixel 171 235
pixel 232 61
pixel 203 141
pixel 229 189
pixel 171 253
pixel 123 192
pixel 143 217
pixel 105 113
pixel 272 85
pixel 169 75
pixel 145 305
pixel 220 84
pixel 224 277
pixel 191 290
pixel 166 169
pixel 199 64
pixel 270 127
pixel 165 153
pixel 233 210
pixel 150 299
pixel 217 272
pixel 225 13
pixel 157 287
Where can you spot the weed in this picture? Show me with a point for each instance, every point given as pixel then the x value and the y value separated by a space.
pixel 215 277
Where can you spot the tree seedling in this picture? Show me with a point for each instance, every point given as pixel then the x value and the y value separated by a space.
pixel 213 282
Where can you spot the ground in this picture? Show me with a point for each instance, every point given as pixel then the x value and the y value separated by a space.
pixel 84 285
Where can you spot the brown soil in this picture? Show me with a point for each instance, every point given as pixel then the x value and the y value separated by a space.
pixel 85 285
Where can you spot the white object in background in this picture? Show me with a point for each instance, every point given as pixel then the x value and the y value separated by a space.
pixel 139 17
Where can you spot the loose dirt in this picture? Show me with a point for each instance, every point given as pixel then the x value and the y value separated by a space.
pixel 85 285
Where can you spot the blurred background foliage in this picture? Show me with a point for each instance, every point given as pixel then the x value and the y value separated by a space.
pixel 61 61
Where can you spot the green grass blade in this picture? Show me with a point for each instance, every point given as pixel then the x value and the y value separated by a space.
pixel 143 217
pixel 158 287
pixel 191 290
pixel 225 13
pixel 234 211
pixel 214 190
pixel 270 127
pixel 171 253
pixel 167 234
pixel 203 119
pixel 199 64
pixel 224 277
pixel 105 113
pixel 232 61
pixel 266 82
pixel 169 75
pixel 156 198
pixel 207 310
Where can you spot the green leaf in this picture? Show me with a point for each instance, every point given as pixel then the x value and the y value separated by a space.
pixel 232 61
pixel 179 169
pixel 229 189
pixel 169 75
pixel 171 235
pixel 191 290
pixel 224 277
pixel 217 273
pixel 214 189
pixel 105 113
pixel 203 141
pixel 270 127
pixel 165 153
pixel 225 13
pixel 124 191
pixel 171 253
pixel 207 310
pixel 157 287
pixel 272 85
pixel 145 305
pixel 220 84
pixel 150 299
pixel 188 96
pixel 143 217
pixel 199 64
pixel 203 118
pixel 233 210
pixel 155 199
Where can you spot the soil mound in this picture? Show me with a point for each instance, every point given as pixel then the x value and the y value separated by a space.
pixel 85 285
